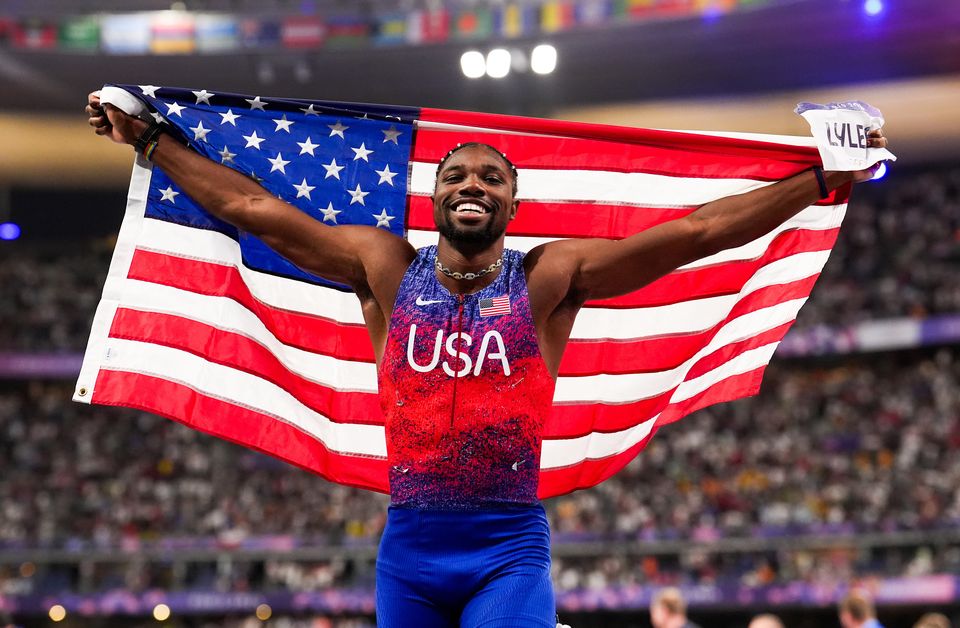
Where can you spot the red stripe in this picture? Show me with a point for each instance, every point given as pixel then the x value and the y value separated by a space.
pixel 245 354
pixel 564 220
pixel 644 355
pixel 240 425
pixel 346 341
pixel 720 279
pixel 593 471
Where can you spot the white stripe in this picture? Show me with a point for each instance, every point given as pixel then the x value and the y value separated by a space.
pixel 211 246
pixel 786 140
pixel 597 445
pixel 635 188
pixel 690 316
pixel 243 389
pixel 742 363
pixel 228 315
pixel 630 387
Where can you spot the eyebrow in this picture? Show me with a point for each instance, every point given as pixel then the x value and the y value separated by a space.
pixel 490 165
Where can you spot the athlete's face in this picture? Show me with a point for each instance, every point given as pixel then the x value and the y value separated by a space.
pixel 473 200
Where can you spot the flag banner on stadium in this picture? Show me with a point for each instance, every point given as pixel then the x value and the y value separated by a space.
pixel 204 324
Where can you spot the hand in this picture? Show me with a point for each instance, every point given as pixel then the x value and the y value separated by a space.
pixel 875 139
pixel 109 121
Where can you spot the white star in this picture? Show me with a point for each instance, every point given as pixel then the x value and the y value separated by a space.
pixel 156 116
pixel 253 140
pixel 230 117
pixel 149 90
pixel 356 196
pixel 361 153
pixel 174 109
pixel 199 133
pixel 310 111
pixel 330 214
pixel 333 170
pixel 278 163
pixel 385 175
pixel 383 220
pixel 337 129
pixel 168 194
pixel 303 189
pixel 307 147
pixel 391 134
pixel 283 124
pixel 226 155
pixel 203 96
pixel 256 103
pixel 256 177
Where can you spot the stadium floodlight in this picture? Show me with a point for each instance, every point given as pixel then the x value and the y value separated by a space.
pixel 543 59
pixel 873 7
pixel 9 231
pixel 473 64
pixel 498 63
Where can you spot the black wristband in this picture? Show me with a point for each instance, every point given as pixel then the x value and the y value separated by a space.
pixel 150 134
pixel 821 181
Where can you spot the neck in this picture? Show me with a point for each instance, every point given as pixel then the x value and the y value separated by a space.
pixel 467 256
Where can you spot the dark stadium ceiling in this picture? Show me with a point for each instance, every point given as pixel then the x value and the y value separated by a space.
pixel 804 44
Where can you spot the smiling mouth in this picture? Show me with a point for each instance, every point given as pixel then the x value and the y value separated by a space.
pixel 470 208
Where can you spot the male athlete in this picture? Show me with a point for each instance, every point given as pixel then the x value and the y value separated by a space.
pixel 465 389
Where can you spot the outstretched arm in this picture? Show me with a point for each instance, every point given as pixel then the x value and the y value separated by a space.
pixel 355 255
pixel 608 268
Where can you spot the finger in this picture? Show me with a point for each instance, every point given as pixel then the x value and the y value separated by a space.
pixel 877 142
pixel 876 133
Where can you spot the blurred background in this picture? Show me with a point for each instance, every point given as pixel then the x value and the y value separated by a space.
pixel 844 473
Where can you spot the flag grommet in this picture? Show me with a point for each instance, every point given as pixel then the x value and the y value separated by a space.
pixel 82 391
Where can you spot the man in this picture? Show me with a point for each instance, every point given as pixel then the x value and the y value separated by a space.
pixel 856 610
pixel 669 610
pixel 466 541
pixel 766 621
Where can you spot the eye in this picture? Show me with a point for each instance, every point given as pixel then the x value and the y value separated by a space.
pixel 494 179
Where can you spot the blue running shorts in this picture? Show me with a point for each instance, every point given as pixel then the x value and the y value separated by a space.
pixel 473 569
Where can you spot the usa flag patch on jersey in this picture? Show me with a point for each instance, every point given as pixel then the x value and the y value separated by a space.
pixel 497 306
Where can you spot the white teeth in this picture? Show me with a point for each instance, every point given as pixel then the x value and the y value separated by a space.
pixel 470 207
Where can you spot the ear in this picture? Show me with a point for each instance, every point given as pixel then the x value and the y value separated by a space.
pixel 514 208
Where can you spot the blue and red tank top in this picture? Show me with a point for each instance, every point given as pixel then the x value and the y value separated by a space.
pixel 465 392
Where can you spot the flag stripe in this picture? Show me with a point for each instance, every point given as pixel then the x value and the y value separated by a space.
pixel 246 426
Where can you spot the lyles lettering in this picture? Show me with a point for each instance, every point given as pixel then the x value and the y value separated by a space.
pixel 842 134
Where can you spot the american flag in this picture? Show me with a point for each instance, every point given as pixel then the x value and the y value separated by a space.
pixel 497 306
pixel 204 324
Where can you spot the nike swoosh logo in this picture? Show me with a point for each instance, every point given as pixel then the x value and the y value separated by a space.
pixel 421 301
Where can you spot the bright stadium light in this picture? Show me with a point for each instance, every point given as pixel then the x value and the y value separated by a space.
pixel 57 613
pixel 543 59
pixel 9 231
pixel 161 612
pixel 473 64
pixel 873 7
pixel 498 63
pixel 882 170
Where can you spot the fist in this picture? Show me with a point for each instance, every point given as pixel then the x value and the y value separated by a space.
pixel 109 121
pixel 875 139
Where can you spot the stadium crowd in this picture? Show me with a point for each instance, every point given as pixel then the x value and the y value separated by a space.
pixel 49 295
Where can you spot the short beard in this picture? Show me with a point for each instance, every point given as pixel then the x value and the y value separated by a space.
pixel 486 236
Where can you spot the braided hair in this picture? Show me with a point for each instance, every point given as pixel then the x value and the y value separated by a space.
pixel 513 169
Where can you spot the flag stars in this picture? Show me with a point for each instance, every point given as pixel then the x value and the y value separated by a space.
pixel 307 147
pixel 278 163
pixel 391 134
pixel 253 141
pixel 169 194
pixel 333 170
pixel 159 118
pixel 174 109
pixel 199 132
pixel 203 96
pixel 229 117
pixel 256 103
pixel 149 90
pixel 383 219
pixel 226 156
pixel 337 129
pixel 386 176
pixel 310 111
pixel 330 214
pixel 304 189
pixel 361 152
pixel 282 124
pixel 356 196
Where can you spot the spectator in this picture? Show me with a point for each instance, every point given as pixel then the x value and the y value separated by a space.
pixel 766 621
pixel 933 620
pixel 669 610
pixel 856 611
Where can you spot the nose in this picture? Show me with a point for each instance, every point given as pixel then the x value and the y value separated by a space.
pixel 472 185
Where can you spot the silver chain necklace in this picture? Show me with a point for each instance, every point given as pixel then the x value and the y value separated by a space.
pixel 468 276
